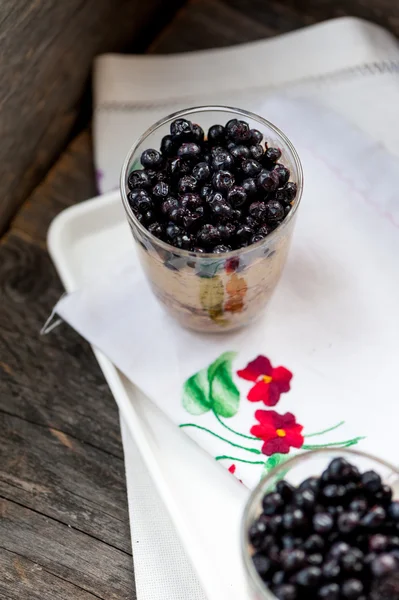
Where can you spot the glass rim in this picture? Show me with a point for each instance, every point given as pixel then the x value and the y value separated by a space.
pixel 199 109
pixel 257 493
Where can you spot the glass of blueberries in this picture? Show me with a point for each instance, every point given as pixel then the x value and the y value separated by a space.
pixel 324 525
pixel 211 196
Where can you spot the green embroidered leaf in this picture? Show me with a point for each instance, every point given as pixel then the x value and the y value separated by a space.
pixel 274 461
pixel 196 394
pixel 224 395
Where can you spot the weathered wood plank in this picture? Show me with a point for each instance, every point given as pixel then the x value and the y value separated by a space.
pixel 22 578
pixel 65 552
pixel 60 477
pixel 47 49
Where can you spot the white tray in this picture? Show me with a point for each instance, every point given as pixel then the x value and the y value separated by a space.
pixel 204 500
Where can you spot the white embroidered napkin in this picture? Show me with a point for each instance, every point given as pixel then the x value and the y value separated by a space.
pixel 332 324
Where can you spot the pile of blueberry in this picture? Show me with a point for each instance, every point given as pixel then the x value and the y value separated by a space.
pixel 335 537
pixel 211 194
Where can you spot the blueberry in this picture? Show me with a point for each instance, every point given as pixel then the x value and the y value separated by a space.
pixel 237 196
pixel 305 499
pixel 289 542
pixel 274 211
pixel 285 489
pixel 257 152
pixel 272 503
pixel 139 180
pixel 292 560
pixel 314 543
pixel 352 561
pixel 257 533
pixel 181 130
pixel 374 518
pixel 157 229
pixel 221 248
pixel 348 522
pixel 276 524
pixel 285 591
pixel 384 495
pixel 273 154
pixel 216 135
pixel 177 215
pixel 359 505
pixel 256 136
pixel 201 172
pixel 330 591
pixel 331 570
pixel 226 231
pixel 371 481
pixel 206 192
pixel 249 186
pixel 191 201
pixel 208 236
pixel 278 578
pixel 315 559
pixel 187 183
pixel 178 168
pixel 238 131
pixel 168 146
pixel 193 218
pixel 223 181
pixel 139 200
pixel 184 241
pixel 258 211
pixel 146 217
pixel 198 134
pixel 189 151
pixel 323 523
pixel 386 588
pixel 309 577
pixel 268 180
pixel 161 190
pixel 222 160
pixel 283 174
pixel 172 232
pixel 332 493
pixel 244 235
pixel 383 565
pixel 352 589
pixel 287 193
pixel 221 209
pixel 393 511
pixel 168 205
pixel 250 167
pixel 262 564
pixel 379 543
pixel 311 483
pixel 294 520
pixel 239 153
pixel 151 159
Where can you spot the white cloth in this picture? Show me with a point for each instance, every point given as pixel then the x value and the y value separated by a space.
pixel 333 321
pixel 126 103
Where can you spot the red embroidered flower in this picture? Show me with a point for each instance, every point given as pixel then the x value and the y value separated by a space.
pixel 279 432
pixel 232 470
pixel 270 382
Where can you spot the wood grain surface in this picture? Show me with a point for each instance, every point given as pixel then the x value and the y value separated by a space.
pixel 47 49
pixel 64 531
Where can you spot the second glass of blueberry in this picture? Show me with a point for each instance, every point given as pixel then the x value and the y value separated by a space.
pixel 211 195
pixel 324 526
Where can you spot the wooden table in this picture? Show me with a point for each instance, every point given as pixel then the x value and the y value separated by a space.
pixel 64 530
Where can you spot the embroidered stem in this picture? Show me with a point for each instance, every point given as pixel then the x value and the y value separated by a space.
pixel 325 430
pixel 343 444
pixel 253 450
pixel 234 458
pixel 247 437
